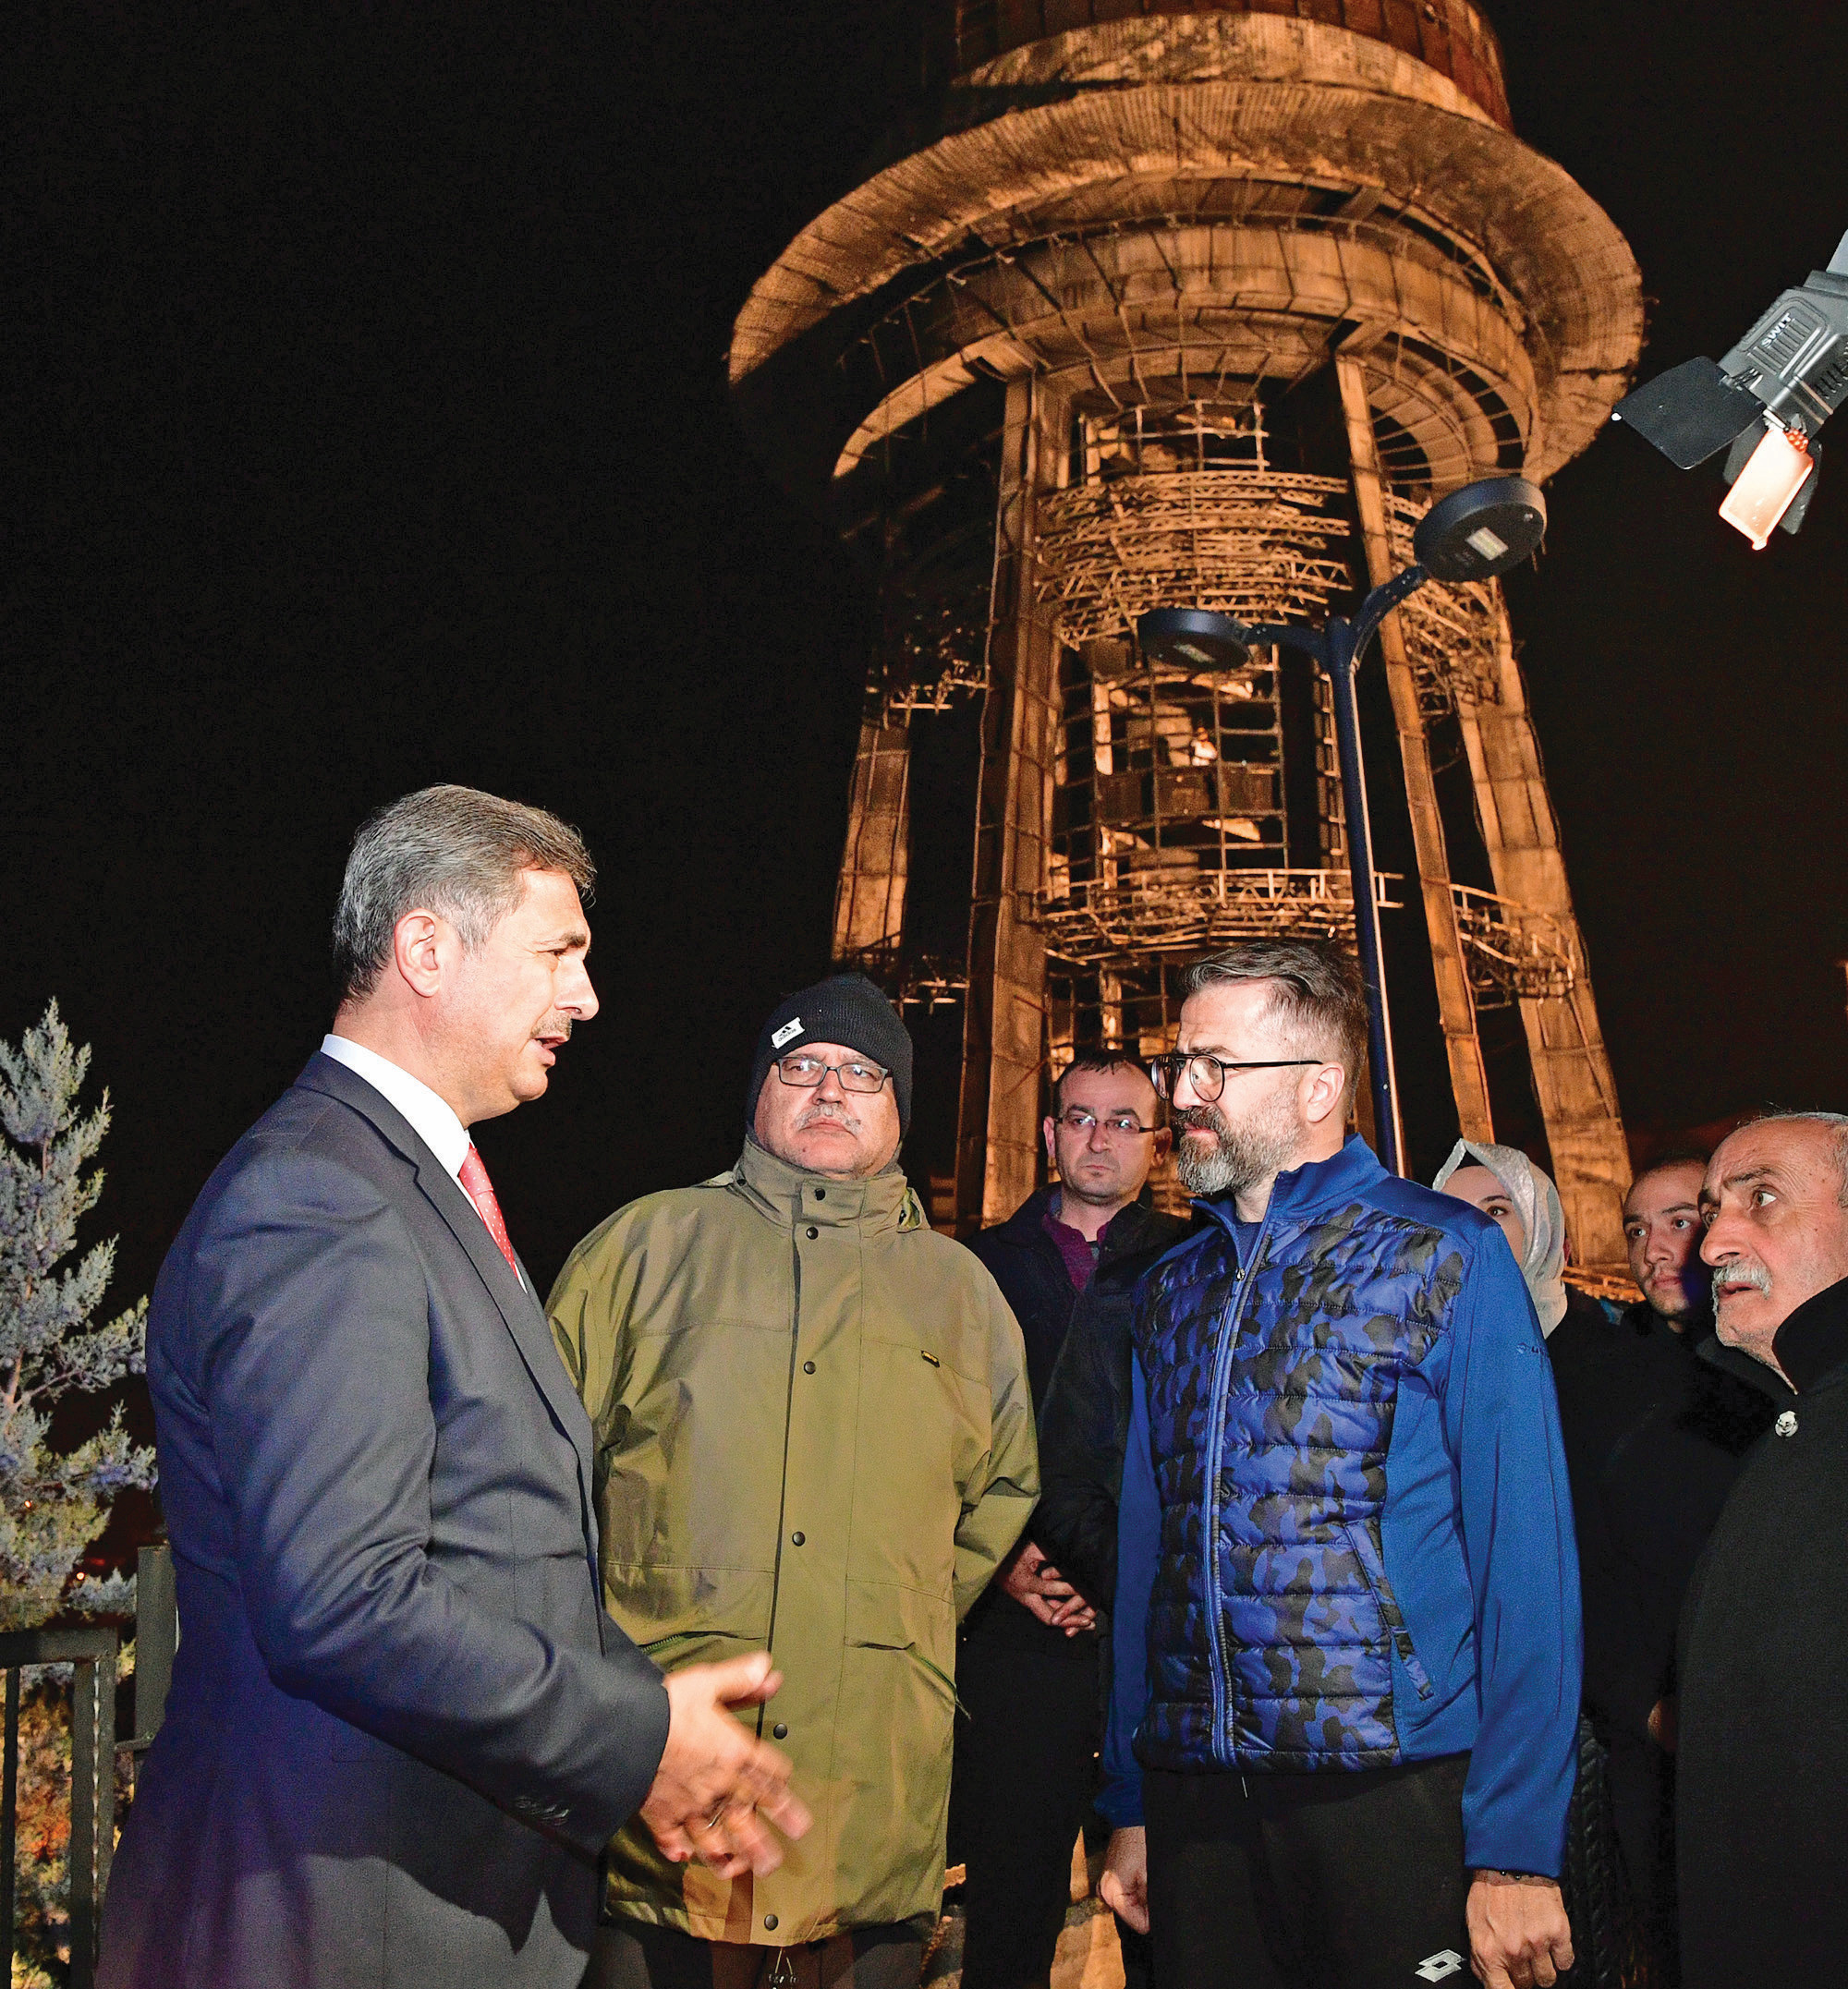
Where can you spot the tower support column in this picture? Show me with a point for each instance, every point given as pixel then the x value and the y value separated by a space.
pixel 1573 1077
pixel 870 897
pixel 1456 1005
pixel 1004 1020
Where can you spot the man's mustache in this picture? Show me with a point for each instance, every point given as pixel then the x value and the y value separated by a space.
pixel 554 1029
pixel 1755 1275
pixel 825 1109
pixel 1204 1117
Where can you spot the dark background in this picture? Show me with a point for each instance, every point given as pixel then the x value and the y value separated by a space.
pixel 366 426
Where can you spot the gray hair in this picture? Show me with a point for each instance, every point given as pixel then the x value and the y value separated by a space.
pixel 451 850
pixel 1838 1121
pixel 1319 995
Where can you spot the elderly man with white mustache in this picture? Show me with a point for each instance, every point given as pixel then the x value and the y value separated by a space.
pixel 1764 1692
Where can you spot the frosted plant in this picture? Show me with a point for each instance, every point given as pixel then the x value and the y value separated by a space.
pixel 54 1504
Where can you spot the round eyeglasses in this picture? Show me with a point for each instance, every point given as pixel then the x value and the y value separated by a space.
pixel 804 1071
pixel 1207 1075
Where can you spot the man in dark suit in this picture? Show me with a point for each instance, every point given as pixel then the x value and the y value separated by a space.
pixel 400 1727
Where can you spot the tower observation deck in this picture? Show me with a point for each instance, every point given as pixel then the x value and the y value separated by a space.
pixel 1150 306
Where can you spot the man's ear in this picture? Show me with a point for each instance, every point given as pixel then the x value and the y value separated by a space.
pixel 417 950
pixel 1324 1092
pixel 1046 1134
pixel 1161 1145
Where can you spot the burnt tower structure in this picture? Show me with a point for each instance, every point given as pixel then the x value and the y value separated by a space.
pixel 1153 305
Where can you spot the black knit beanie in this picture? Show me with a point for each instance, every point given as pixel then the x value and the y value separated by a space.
pixel 845 1009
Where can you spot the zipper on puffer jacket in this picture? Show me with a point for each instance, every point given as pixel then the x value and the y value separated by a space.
pixel 1210 1499
pixel 1373 1568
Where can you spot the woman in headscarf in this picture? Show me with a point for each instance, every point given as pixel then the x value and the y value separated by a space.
pixel 1510 1190
pixel 1520 1197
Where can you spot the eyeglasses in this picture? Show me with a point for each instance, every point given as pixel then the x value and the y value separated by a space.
pixel 1119 1125
pixel 1207 1075
pixel 806 1072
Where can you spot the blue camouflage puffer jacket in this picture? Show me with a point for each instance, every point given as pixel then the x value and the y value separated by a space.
pixel 1345 1538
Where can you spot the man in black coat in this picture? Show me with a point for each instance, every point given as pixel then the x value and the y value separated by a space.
pixel 1027 1673
pixel 1655 1434
pixel 1764 1693
pixel 401 1726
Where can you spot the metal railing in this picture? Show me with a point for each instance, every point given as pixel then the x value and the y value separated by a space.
pixel 1513 952
pixel 1093 923
pixel 91 1652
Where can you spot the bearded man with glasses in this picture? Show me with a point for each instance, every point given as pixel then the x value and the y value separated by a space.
pixel 1347 1639
pixel 1028 1672
pixel 813 1433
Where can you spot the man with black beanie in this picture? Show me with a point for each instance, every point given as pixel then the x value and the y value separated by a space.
pixel 814 1431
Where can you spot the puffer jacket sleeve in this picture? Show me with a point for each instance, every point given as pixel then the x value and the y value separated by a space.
pixel 1501 1427
pixel 1139 1544
pixel 996 1508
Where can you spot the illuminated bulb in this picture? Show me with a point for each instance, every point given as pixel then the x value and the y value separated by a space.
pixel 1764 490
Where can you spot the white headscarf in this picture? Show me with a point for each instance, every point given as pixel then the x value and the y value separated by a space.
pixel 1531 1190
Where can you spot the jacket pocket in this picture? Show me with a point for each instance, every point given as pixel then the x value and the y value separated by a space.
pixel 886 1615
pixel 1373 1567
pixel 668 1611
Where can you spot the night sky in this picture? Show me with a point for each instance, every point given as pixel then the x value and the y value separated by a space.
pixel 366 427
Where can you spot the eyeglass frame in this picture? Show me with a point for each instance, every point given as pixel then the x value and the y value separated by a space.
pixel 796 1083
pixel 1134 1130
pixel 1176 1060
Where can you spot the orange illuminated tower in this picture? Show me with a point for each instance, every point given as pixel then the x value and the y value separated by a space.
pixel 1156 305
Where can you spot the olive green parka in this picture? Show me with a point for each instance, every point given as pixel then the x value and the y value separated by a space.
pixel 814 1435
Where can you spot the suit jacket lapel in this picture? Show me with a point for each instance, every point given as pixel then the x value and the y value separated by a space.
pixel 525 1319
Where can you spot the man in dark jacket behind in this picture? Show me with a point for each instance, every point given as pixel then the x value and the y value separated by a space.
pixel 1655 1435
pixel 1763 1703
pixel 1028 1671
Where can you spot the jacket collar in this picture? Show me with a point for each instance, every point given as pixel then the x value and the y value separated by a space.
pixel 1303 1192
pixel 1127 1233
pixel 882 1202
pixel 1812 1344
pixel 517 1305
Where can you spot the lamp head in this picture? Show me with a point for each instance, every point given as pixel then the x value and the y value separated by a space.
pixel 1481 530
pixel 1194 638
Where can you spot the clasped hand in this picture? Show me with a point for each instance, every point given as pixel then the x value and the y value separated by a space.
pixel 1038 1587
pixel 717 1783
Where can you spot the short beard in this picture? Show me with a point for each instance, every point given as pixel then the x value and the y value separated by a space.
pixel 1675 1302
pixel 1239 1158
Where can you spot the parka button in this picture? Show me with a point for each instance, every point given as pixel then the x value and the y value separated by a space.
pixel 779 1732
pixel 821 1195
pixel 796 1539
pixel 813 1232
pixel 770 1922
pixel 807 1367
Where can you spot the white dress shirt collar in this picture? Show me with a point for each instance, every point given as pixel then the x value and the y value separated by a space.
pixel 431 1119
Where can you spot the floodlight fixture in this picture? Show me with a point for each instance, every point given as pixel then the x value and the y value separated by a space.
pixel 1763 403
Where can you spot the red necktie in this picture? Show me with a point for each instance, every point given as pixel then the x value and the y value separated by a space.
pixel 480 1191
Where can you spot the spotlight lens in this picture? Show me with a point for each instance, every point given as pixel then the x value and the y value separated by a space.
pixel 1487 543
pixel 1768 485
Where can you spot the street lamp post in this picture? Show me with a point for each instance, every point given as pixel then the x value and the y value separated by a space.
pixel 1474 534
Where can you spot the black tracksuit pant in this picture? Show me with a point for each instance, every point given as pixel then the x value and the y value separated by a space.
pixel 1024 1776
pixel 1347 1879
